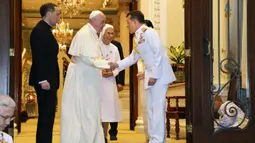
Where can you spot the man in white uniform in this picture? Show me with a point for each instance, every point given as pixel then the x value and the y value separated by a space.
pixel 7 108
pixel 158 72
pixel 80 113
pixel 140 75
pixel 110 106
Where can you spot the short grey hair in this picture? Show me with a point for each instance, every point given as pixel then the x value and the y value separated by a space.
pixel 7 101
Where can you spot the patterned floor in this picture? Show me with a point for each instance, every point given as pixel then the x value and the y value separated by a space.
pixel 125 135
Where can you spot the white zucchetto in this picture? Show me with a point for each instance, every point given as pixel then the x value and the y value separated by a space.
pixel 94 13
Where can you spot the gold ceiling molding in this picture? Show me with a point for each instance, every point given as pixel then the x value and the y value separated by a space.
pixel 75 23
pixel 71 7
pixel 106 3
pixel 29 29
pixel 89 4
pixel 31 14
pixel 114 21
pixel 106 11
pixel 65 17
pixel 123 5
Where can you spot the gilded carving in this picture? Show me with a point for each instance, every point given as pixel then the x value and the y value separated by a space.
pixel 114 20
pixel 123 6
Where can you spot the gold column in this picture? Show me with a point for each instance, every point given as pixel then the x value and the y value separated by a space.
pixel 61 56
pixel 61 83
pixel 124 40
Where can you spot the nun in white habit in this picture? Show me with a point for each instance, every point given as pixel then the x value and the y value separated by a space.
pixel 80 110
pixel 110 106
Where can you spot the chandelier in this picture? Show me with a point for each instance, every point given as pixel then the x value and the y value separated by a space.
pixel 71 7
pixel 63 34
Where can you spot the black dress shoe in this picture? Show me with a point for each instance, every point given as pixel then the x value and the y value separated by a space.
pixel 113 138
pixel 105 140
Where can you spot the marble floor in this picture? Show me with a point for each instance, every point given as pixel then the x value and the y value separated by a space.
pixel 125 135
pixel 28 129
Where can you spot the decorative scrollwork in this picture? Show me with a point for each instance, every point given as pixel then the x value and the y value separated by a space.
pixel 229 67
pixel 233 106
pixel 233 113
pixel 232 110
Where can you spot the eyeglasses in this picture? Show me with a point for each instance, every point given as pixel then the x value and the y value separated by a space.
pixel 7 117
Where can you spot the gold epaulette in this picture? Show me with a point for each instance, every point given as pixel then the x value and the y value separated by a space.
pixel 144 29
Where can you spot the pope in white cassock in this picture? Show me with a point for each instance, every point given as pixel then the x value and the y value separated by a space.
pixel 158 72
pixel 80 112
pixel 110 106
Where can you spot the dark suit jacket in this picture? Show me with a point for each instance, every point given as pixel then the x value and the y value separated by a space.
pixel 44 48
pixel 120 79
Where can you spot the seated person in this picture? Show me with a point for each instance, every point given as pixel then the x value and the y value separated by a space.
pixel 230 115
pixel 7 108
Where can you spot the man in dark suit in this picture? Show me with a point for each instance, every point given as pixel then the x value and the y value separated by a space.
pixel 44 74
pixel 120 81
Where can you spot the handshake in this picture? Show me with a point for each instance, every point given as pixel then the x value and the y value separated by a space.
pixel 113 66
pixel 140 75
pixel 108 72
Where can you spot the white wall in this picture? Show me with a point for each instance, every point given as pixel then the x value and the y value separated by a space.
pixel 175 22
pixel 144 6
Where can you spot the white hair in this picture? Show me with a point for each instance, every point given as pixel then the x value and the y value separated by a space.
pixel 7 101
pixel 104 29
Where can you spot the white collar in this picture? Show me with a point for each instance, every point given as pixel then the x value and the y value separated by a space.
pixel 138 31
pixel 92 28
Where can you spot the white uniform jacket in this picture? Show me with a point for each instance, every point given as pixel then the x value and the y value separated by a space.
pixel 152 52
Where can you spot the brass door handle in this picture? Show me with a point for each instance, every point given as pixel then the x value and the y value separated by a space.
pixel 208 47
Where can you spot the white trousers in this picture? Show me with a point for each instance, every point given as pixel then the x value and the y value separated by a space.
pixel 144 109
pixel 156 110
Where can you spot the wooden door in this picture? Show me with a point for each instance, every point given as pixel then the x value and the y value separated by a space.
pixel 4 46
pixel 133 82
pixel 212 28
pixel 15 57
pixel 10 43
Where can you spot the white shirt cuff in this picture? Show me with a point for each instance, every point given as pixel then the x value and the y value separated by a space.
pixel 115 72
pixel 42 81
